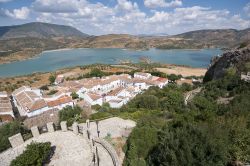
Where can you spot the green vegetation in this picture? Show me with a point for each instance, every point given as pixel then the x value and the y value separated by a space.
pixel 74 95
pixel 52 92
pixel 181 144
pixel 242 45
pixel 158 74
pixel 95 72
pixel 8 130
pixel 70 114
pixel 44 87
pixel 35 154
pixel 52 78
pixel 174 77
pixel 201 133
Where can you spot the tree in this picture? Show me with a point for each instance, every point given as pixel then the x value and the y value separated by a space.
pixel 96 73
pixel 35 154
pixel 187 145
pixel 8 130
pixel 44 87
pixel 173 101
pixel 70 114
pixel 52 78
pixel 147 101
pixel 74 95
pixel 173 77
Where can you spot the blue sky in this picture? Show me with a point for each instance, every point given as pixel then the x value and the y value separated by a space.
pixel 130 16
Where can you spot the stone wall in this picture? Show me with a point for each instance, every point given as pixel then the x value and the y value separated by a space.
pixel 109 149
pixel 16 140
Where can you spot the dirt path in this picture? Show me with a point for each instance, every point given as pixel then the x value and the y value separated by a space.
pixel 190 95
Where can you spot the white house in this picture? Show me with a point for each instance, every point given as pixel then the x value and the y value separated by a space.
pixel 117 103
pixel 141 75
pixel 30 102
pixel 60 102
pixel 93 98
pixel 59 79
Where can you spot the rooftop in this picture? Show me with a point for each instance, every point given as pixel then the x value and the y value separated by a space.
pixel 59 101
pixel 5 105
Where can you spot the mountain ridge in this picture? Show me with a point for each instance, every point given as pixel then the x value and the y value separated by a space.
pixel 39 30
pixel 24 41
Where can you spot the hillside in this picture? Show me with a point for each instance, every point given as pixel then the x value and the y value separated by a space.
pixel 231 62
pixel 39 30
pixel 24 41
pixel 218 37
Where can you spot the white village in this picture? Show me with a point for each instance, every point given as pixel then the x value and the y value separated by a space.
pixel 116 90
pixel 41 110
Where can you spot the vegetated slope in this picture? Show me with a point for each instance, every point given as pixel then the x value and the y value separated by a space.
pixel 236 61
pixel 203 132
pixel 218 37
pixel 39 30
pixel 111 41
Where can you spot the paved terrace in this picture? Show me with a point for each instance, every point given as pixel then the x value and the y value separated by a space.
pixel 116 127
pixel 71 149
pixel 74 148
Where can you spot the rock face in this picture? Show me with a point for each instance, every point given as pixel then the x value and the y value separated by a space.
pixel 238 59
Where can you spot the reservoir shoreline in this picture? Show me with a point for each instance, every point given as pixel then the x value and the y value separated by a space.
pixel 52 60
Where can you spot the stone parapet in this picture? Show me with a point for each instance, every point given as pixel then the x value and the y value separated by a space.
pixel 64 126
pixel 16 140
pixel 35 132
pixel 50 127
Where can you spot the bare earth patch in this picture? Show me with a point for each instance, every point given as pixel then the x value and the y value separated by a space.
pixel 184 71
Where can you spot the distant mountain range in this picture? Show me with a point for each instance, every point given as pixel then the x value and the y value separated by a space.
pixel 27 40
pixel 220 37
pixel 39 30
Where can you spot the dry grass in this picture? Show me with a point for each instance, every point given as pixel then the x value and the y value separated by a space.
pixel 184 71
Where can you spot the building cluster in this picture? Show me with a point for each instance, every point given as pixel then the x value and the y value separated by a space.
pixel 31 102
pixel 116 90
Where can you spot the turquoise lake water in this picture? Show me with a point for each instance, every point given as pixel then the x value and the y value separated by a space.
pixel 53 60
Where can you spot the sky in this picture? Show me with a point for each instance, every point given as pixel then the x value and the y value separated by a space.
pixel 96 17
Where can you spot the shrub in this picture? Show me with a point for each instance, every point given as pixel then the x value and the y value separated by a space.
pixel 52 78
pixel 52 92
pixel 74 95
pixel 8 130
pixel 35 154
pixel 44 87
pixel 70 114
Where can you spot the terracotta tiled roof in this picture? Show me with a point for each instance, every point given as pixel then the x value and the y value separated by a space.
pixel 38 104
pixel 61 100
pixel 19 90
pixel 94 96
pixel 115 91
pixel 5 105
pixel 162 79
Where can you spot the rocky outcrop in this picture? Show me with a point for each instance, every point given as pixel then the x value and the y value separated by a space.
pixel 238 60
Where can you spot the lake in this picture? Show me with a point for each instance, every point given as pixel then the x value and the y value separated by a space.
pixel 53 60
